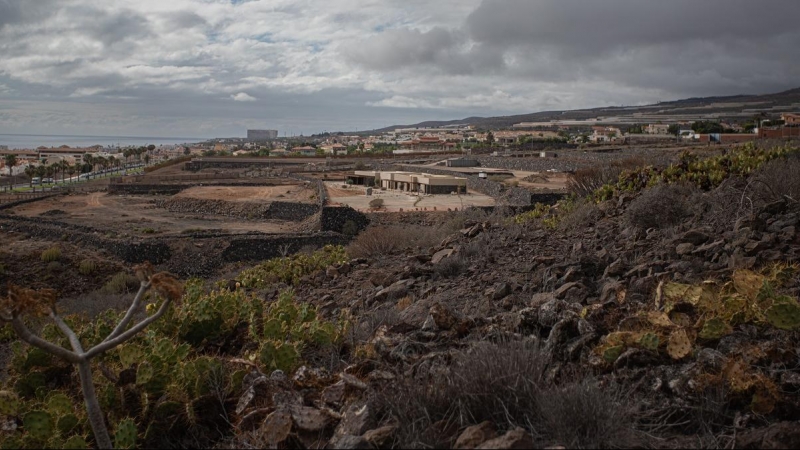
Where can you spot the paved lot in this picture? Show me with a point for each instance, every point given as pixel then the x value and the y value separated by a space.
pixel 355 197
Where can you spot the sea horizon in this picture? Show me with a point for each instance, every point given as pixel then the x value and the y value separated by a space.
pixel 22 141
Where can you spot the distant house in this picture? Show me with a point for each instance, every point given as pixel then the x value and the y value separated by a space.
pixel 657 128
pixel 791 119
pixel 425 144
pixel 305 151
pixel 605 134
pixel 335 149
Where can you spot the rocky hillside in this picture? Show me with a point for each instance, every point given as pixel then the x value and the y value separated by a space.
pixel 659 311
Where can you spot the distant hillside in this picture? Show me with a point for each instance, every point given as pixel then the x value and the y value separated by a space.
pixel 734 106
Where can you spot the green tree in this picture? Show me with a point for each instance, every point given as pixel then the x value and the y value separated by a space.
pixel 674 129
pixel 490 138
pixel 30 172
pixel 11 161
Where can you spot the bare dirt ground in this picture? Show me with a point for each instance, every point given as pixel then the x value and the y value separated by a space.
pixel 393 201
pixel 137 216
pixel 295 193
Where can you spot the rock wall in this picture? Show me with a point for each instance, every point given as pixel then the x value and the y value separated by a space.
pixel 334 218
pixel 263 248
pixel 130 252
pixel 145 189
pixel 291 211
pixel 10 205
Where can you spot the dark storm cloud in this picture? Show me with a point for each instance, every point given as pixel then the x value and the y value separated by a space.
pixel 16 12
pixel 584 27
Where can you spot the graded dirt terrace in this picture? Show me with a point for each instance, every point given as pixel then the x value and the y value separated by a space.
pixel 288 193
pixel 138 216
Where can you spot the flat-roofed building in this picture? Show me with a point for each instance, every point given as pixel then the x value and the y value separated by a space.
pixel 424 183
pixel 262 135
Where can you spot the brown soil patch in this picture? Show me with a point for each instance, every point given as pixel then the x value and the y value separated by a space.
pixel 291 193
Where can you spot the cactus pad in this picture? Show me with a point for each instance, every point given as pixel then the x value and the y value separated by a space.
pixel 659 319
pixel 714 328
pixel 649 341
pixel 144 373
pixel 28 384
pixel 125 437
pixel 38 424
pixel 9 403
pixel 748 283
pixel 66 424
pixel 267 354
pixel 75 443
pixel 679 344
pixel 59 404
pixel 286 357
pixel 784 314
pixel 612 353
pixel 273 329
pixel 130 355
pixel 37 358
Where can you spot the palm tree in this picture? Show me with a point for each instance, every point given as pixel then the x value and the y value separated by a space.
pixel 72 170
pixel 30 171
pixel 11 161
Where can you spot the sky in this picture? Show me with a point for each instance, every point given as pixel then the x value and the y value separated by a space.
pixel 214 68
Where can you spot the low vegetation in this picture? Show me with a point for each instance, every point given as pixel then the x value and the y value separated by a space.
pixel 51 254
pixel 291 269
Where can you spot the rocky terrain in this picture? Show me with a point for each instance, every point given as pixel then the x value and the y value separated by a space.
pixel 659 312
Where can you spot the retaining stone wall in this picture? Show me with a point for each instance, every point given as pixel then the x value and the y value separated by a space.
pixel 334 218
pixel 145 189
pixel 130 252
pixel 263 248
pixel 10 205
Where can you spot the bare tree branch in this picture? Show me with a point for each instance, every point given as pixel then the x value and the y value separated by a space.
pixel 107 345
pixel 73 338
pixel 143 287
pixel 26 335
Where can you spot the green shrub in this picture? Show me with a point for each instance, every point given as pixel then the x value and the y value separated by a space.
pixel 87 267
pixel 291 269
pixel 120 283
pixel 350 228
pixel 148 231
pixel 376 203
pixel 51 254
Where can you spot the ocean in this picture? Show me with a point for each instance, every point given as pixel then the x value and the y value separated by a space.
pixel 31 141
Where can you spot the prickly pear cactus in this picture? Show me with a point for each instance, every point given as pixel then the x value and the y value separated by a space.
pixel 612 353
pixel 266 354
pixel 144 373
pixel 286 357
pixel 649 341
pixel 67 423
pixel 784 314
pixel 9 403
pixel 130 354
pixel 715 328
pixel 75 443
pixel 125 437
pixel 273 330
pixel 28 384
pixel 38 424
pixel 679 344
pixel 59 404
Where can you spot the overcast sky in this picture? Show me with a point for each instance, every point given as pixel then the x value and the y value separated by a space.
pixel 204 68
